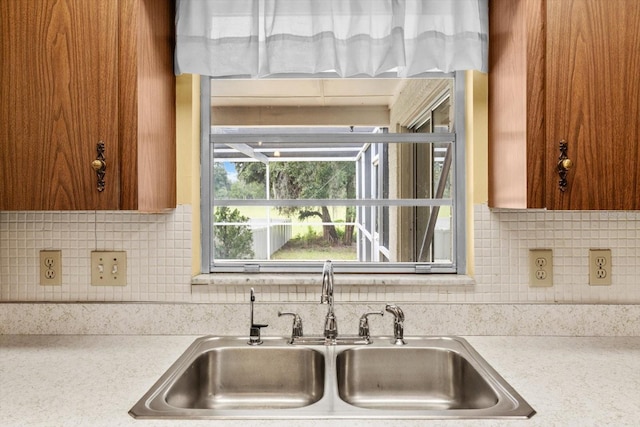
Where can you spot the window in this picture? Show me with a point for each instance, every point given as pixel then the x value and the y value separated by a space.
pixel 283 194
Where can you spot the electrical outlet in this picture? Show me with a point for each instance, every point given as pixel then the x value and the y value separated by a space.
pixel 108 268
pixel 600 267
pixel 540 267
pixel 50 268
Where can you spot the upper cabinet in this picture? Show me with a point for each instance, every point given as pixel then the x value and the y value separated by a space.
pixel 564 71
pixel 82 81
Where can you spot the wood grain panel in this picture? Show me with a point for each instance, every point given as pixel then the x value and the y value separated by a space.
pixel 535 115
pixel 156 107
pixel 147 105
pixel 57 75
pixel 516 103
pixel 593 101
pixel 128 102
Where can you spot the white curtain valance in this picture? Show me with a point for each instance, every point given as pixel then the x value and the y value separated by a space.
pixel 260 38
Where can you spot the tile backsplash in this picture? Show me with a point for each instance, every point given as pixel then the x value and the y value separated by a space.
pixel 503 239
pixel 159 256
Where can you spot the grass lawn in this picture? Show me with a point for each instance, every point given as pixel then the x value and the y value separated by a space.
pixel 303 249
pixel 307 243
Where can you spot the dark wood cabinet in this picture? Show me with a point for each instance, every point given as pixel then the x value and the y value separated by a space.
pixel 74 73
pixel 564 70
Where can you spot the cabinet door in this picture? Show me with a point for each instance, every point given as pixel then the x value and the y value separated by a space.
pixel 58 86
pixel 593 102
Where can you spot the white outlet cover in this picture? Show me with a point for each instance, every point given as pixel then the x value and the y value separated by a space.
pixel 540 267
pixel 50 267
pixel 600 267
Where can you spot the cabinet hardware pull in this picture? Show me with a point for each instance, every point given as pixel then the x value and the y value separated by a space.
pixel 100 165
pixel 564 164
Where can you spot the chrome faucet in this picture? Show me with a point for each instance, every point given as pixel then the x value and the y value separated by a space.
pixel 398 324
pixel 330 335
pixel 330 322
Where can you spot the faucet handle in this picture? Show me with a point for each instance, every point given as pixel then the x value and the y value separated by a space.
pixel 363 328
pixel 296 329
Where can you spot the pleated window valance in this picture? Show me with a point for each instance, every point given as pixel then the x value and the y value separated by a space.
pixel 261 38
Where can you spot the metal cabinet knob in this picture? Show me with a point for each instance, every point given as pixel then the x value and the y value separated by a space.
pixel 98 165
pixel 566 164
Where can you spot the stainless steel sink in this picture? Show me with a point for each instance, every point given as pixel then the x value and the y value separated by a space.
pixel 250 378
pixel 401 378
pixel 223 377
pixel 428 378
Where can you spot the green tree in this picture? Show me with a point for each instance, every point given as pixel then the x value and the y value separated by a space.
pixel 247 190
pixel 231 241
pixel 308 180
pixel 221 184
pixel 238 189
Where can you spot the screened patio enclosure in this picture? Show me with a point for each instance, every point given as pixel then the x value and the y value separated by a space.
pixel 273 186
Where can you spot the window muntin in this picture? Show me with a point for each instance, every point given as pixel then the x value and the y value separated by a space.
pixel 270 214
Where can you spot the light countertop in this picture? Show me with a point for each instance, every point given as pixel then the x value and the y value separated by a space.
pixel 93 380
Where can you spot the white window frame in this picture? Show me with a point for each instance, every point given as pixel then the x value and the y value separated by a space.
pixel 458 203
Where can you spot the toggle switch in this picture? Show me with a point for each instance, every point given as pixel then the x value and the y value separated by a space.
pixel 108 268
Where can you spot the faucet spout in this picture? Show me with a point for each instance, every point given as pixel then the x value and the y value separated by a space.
pixel 327 284
pixel 254 330
pixel 330 323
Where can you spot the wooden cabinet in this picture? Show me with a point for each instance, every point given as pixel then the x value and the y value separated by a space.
pixel 74 73
pixel 564 70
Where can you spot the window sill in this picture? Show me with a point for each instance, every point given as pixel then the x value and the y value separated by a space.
pixel 233 287
pixel 271 279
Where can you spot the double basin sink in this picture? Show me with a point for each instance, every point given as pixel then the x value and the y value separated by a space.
pixel 428 378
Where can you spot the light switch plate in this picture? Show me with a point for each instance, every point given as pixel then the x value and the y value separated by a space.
pixel 540 267
pixel 50 268
pixel 109 268
pixel 600 267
